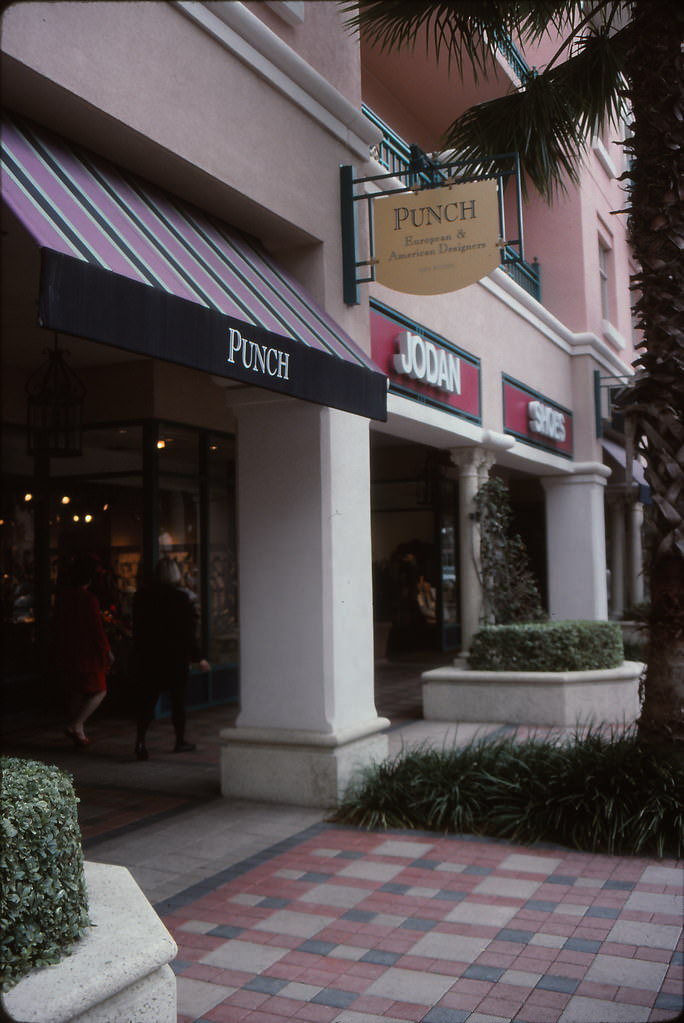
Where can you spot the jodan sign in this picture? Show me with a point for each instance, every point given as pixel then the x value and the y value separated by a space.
pixel 437 240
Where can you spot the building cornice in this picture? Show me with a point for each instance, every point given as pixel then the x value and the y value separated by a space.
pixel 244 35
pixel 499 284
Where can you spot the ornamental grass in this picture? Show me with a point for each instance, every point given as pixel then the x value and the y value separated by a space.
pixel 597 792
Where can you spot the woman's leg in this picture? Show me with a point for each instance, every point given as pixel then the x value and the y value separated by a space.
pixel 88 704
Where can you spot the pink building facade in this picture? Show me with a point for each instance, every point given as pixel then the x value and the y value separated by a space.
pixel 171 219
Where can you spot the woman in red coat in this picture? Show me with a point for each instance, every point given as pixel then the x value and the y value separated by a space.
pixel 82 649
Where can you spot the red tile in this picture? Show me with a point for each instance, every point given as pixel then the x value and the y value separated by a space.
pixel 591 989
pixel 504 1007
pixel 549 999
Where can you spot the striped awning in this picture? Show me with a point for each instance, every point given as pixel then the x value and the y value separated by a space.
pixel 127 264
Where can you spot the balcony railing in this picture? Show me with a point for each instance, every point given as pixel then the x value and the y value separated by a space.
pixel 398 157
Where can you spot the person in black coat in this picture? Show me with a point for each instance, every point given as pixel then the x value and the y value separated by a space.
pixel 164 646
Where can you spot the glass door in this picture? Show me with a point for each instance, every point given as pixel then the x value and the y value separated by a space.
pixel 448 600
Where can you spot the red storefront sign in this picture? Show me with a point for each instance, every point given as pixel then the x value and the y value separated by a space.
pixel 531 417
pixel 423 365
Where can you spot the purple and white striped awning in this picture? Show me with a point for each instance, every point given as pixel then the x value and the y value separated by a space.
pixel 108 237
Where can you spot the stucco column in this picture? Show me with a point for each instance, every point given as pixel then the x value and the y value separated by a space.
pixel 307 713
pixel 576 544
pixel 635 523
pixel 616 518
pixel 473 470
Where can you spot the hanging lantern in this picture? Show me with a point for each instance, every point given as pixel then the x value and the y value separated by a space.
pixel 55 409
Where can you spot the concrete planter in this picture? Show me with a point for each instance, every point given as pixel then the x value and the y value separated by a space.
pixel 119 971
pixel 533 697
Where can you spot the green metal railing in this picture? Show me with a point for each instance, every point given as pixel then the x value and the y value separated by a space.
pixel 398 157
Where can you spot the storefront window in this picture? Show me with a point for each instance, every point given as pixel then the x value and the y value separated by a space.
pixel 138 491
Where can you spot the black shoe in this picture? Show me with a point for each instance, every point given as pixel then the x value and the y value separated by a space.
pixel 184 747
pixel 141 751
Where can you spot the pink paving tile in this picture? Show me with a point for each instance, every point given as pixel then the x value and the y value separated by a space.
pixel 447 968
pixel 538 1014
pixel 373 1005
pixel 615 948
pixel 371 971
pixel 531 964
pixel 458 999
pixel 635 996
pixel 352 982
pixel 319 978
pixel 199 972
pixel 226 1014
pixel 654 955
pixel 233 978
pixel 479 988
pixel 247 999
pixel 504 1007
pixel 584 959
pixel 549 999
pixel 408 1011
pixel 591 989
pixel 260 1016
pixel 314 1013
pixel 284 971
pixel 502 960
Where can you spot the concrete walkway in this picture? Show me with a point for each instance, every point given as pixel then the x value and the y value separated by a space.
pixel 280 915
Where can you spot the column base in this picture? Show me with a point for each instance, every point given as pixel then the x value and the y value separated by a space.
pixel 298 767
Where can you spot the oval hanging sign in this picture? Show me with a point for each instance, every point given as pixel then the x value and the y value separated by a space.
pixel 437 240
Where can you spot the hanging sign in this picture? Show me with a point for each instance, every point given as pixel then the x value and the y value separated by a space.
pixel 437 240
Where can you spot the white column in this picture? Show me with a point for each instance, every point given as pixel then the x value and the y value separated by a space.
pixel 307 713
pixel 636 554
pixel 616 518
pixel 576 544
pixel 473 470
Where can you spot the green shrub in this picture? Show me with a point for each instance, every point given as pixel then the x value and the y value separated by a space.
pixel 604 793
pixel 43 898
pixel 547 646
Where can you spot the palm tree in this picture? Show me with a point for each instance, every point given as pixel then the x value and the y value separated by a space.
pixel 613 55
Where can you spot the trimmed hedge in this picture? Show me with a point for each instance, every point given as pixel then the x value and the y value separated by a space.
pixel 43 896
pixel 547 646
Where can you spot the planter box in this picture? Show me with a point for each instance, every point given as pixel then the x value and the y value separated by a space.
pixel 118 972
pixel 533 697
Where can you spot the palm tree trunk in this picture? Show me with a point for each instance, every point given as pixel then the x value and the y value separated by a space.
pixel 655 406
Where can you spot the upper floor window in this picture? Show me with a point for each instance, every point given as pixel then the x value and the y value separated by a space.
pixel 604 264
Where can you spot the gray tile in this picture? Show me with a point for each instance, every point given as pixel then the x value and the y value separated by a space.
pixel 335 895
pixel 511 888
pixel 334 996
pixel 376 955
pixel 663 875
pixel 651 902
pixel 621 972
pixel 287 921
pixel 476 972
pixel 481 914
pixel 530 864
pixel 594 1010
pixel 244 955
pixel 627 932
pixel 551 982
pixel 368 870
pixel 405 849
pixel 266 985
pixel 318 948
pixel 520 978
pixel 454 947
pixel 410 986
pixel 302 992
pixel 195 997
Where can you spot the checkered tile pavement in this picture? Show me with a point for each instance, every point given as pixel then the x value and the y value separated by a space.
pixel 342 926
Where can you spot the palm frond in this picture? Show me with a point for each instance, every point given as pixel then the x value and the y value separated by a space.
pixel 550 120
